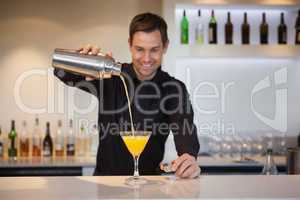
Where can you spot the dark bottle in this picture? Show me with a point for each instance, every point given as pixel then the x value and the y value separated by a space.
pixel 1 144
pixel 264 30
pixel 184 29
pixel 282 31
pixel 47 143
pixel 212 29
pixel 245 30
pixel 228 30
pixel 297 28
pixel 12 135
pixel 70 140
pixel 299 140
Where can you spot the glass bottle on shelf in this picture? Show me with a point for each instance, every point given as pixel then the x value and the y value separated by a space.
pixel 228 30
pixel 297 28
pixel 59 140
pixel 47 143
pixel 282 31
pixel 269 166
pixel 264 30
pixel 24 141
pixel 1 144
pixel 36 139
pixel 12 135
pixel 94 141
pixel 70 150
pixel 212 29
pixel 184 29
pixel 80 141
pixel 200 29
pixel 245 30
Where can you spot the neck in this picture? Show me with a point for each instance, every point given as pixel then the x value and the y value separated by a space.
pixel 143 78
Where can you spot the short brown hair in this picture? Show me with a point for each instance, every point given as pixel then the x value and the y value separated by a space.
pixel 148 22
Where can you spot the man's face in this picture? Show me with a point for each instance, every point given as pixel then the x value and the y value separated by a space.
pixel 147 51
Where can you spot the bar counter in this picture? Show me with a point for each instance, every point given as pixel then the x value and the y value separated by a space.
pixel 162 187
pixel 85 166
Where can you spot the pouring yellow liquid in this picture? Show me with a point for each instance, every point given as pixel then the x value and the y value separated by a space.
pixel 135 144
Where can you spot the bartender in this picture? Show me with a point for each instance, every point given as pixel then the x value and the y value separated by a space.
pixel 160 104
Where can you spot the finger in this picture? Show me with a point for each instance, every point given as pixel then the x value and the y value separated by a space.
pixel 95 50
pixel 178 161
pixel 86 49
pixel 87 78
pixel 109 54
pixel 184 166
pixel 192 172
pixel 79 49
pixel 196 173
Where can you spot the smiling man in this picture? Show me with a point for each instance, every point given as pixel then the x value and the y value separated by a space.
pixel 160 104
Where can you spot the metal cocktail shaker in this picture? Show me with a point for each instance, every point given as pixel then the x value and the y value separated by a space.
pixel 86 65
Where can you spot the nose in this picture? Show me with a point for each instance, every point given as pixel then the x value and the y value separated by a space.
pixel 146 57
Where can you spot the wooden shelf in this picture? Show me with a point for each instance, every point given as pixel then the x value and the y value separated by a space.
pixel 238 51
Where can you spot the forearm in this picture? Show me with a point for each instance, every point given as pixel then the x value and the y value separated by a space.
pixel 78 81
pixel 67 77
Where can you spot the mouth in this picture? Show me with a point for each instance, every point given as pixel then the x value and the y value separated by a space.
pixel 147 66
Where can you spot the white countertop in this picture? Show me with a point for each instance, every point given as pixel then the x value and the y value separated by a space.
pixel 159 187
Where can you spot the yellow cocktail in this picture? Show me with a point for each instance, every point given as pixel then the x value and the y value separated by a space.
pixel 135 142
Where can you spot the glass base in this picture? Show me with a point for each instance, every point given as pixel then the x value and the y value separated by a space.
pixel 136 181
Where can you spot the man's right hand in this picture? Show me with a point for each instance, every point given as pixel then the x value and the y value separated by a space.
pixel 95 51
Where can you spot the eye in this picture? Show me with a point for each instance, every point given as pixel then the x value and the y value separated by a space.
pixel 154 50
pixel 139 49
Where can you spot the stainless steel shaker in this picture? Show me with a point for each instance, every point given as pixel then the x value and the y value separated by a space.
pixel 86 65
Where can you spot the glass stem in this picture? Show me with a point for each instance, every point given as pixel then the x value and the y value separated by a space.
pixel 136 167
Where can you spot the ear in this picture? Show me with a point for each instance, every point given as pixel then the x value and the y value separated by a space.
pixel 165 48
pixel 129 44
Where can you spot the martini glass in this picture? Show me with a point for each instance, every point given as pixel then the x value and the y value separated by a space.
pixel 135 142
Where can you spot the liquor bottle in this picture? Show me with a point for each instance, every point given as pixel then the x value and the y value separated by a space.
pixel 12 135
pixel 228 30
pixel 70 140
pixel 184 29
pixel 47 143
pixel 299 140
pixel 264 30
pixel 81 142
pixel 94 141
pixel 297 28
pixel 199 29
pixel 269 166
pixel 36 139
pixel 24 141
pixel 212 29
pixel 1 144
pixel 59 140
pixel 282 31
pixel 245 30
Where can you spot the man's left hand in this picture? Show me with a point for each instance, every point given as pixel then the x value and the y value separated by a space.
pixel 186 166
